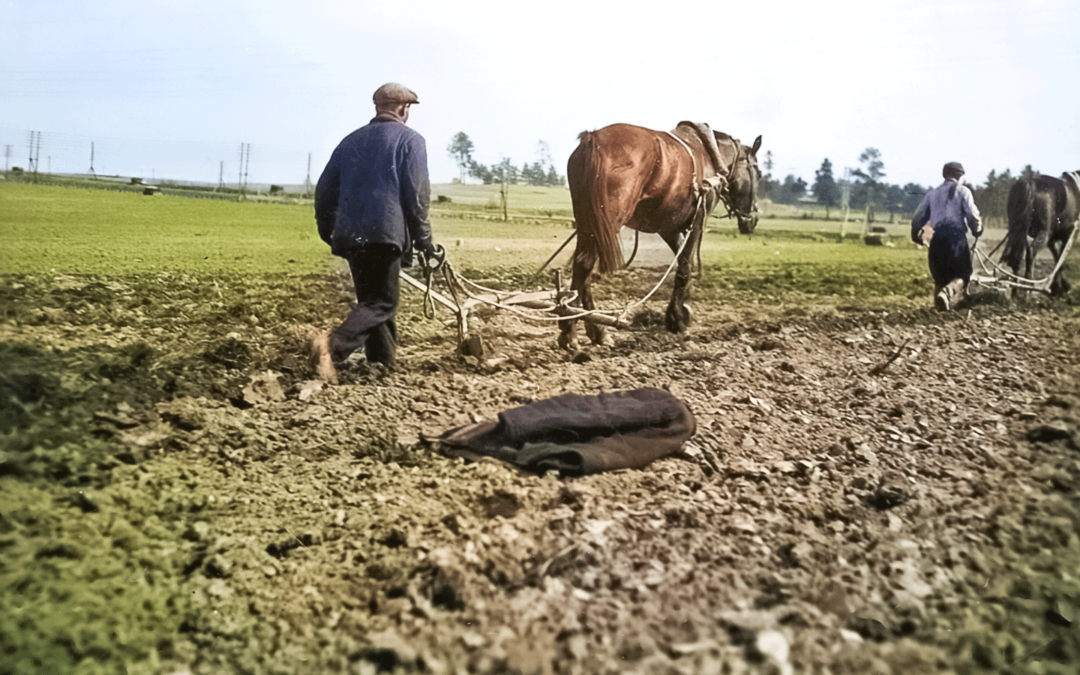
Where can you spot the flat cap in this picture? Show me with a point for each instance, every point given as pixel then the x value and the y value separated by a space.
pixel 392 92
pixel 952 169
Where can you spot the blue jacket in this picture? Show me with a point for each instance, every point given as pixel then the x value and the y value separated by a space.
pixel 375 190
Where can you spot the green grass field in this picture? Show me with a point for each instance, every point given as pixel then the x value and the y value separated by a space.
pixel 79 231
pixel 72 230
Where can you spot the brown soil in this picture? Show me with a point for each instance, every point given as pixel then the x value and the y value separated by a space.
pixel 869 491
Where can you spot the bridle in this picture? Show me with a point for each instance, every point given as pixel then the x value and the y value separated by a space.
pixel 728 198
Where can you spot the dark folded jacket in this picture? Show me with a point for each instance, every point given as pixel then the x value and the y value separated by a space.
pixel 578 435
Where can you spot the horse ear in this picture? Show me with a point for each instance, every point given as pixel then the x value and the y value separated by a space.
pixel 757 145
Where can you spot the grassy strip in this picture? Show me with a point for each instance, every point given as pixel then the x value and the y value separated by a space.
pixel 78 231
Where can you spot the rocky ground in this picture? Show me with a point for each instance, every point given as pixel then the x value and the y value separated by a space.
pixel 874 489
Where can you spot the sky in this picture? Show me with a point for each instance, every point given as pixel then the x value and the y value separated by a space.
pixel 168 90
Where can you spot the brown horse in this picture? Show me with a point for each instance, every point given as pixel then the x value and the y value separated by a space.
pixel 1044 209
pixel 658 182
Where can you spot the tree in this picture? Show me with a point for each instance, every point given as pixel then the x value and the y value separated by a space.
pixel 868 188
pixel 892 199
pixel 790 190
pixel 825 189
pixel 992 198
pixel 913 195
pixel 480 172
pixel 767 186
pixel 553 178
pixel 506 174
pixel 461 149
pixel 543 153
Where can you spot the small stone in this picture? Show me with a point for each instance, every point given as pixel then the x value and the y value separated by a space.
pixel 850 635
pixel 472 640
pixel 197 531
pixel 1048 433
pixel 774 646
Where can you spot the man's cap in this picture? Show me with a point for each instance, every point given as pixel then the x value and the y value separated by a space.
pixel 392 92
pixel 951 169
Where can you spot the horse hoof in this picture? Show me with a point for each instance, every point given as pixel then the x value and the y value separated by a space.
pixel 604 340
pixel 601 337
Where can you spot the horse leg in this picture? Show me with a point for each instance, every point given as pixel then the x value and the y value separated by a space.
pixel 678 316
pixel 1059 285
pixel 584 261
pixel 1038 244
pixel 597 334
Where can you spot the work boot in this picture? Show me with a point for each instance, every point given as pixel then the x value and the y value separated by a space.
pixel 941 301
pixel 954 293
pixel 322 358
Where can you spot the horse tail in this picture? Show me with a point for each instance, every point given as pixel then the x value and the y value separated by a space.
pixel 597 228
pixel 1021 209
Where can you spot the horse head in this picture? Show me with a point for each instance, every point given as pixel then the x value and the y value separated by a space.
pixel 742 189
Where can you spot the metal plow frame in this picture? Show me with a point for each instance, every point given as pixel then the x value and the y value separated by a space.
pixel 546 305
pixel 992 275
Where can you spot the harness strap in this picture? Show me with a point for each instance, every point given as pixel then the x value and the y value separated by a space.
pixel 693 160
pixel 1074 178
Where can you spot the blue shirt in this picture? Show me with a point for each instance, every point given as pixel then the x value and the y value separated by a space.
pixel 375 189
pixel 949 205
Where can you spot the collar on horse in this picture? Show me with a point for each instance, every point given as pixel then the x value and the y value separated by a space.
pixel 719 183
pixel 1072 179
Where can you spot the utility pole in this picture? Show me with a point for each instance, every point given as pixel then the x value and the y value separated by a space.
pixel 7 157
pixel 845 200
pixel 92 172
pixel 307 181
pixel 34 156
pixel 31 165
pixel 221 177
pixel 245 160
pixel 240 173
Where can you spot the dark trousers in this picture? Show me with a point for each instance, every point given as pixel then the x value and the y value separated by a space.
pixel 371 325
pixel 949 255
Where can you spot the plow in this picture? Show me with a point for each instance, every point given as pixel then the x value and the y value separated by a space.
pixel 995 276
pixel 464 296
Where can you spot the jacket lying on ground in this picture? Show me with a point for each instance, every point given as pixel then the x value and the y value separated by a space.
pixel 578 435
pixel 375 189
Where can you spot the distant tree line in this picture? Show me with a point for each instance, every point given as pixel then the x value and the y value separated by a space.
pixel 871 194
pixel 540 172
